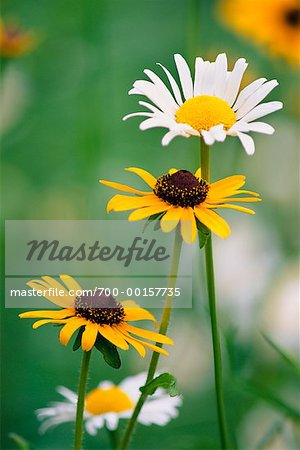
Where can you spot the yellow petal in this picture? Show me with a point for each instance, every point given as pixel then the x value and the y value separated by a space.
pixel 142 213
pixel 153 347
pixel 236 207
pixel 198 173
pixel 170 220
pixel 235 199
pixel 47 314
pixel 151 335
pixel 213 221
pixel 39 323
pixel 112 335
pixel 138 346
pixel 89 336
pixel 133 314
pixel 146 176
pixel 226 184
pixel 69 329
pixel 70 283
pixel 123 187
pixel 188 225
pixel 171 171
pixel 64 301
pixel 125 202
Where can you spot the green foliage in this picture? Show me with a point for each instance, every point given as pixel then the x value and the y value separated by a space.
pixel 109 351
pixel 77 342
pixel 165 381
pixel 203 233
pixel 20 442
pixel 286 358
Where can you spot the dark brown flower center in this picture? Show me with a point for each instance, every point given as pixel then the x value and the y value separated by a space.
pixel 292 17
pixel 99 308
pixel 181 188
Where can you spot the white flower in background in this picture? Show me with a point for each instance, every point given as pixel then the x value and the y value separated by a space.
pixel 108 403
pixel 210 106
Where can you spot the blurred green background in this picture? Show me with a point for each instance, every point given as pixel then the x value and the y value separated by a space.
pixel 61 130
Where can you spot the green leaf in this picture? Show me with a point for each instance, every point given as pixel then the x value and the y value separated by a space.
pixel 270 397
pixel 109 352
pixel 203 233
pixel 77 342
pixel 19 441
pixel 292 363
pixel 165 380
pixel 154 218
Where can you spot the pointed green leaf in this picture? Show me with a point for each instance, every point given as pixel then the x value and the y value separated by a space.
pixel 77 342
pixel 292 362
pixel 271 397
pixel 203 233
pixel 165 380
pixel 109 351
pixel 19 441
pixel 154 218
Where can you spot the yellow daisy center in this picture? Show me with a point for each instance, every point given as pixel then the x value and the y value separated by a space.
pixel 101 401
pixel 205 111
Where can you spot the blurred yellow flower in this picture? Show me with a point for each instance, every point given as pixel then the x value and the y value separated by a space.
pixel 97 313
pixel 182 197
pixel 15 42
pixel 273 23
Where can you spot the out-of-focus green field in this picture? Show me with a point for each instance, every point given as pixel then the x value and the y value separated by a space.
pixel 62 131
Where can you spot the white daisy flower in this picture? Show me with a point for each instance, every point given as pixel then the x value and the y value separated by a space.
pixel 108 403
pixel 210 106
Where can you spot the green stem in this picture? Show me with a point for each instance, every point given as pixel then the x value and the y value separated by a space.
pixel 162 330
pixel 213 313
pixel 113 437
pixel 81 397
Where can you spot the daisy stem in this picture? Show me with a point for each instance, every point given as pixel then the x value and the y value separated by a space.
pixel 162 330
pixel 81 396
pixel 205 168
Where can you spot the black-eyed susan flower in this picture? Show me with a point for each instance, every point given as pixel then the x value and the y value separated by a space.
pixel 108 403
pixel 180 196
pixel 96 313
pixel 274 24
pixel 210 106
pixel 15 42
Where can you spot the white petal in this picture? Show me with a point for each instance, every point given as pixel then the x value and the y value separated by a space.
pixel 218 132
pixel 67 393
pixel 234 81
pixel 149 106
pixel 138 114
pixel 199 66
pixel 220 75
pixel 262 110
pixel 164 101
pixel 209 80
pixel 255 98
pixel 238 126
pixel 208 137
pixel 173 84
pixel 261 127
pixel 105 384
pixel 201 79
pixel 155 122
pixel 160 85
pixel 247 91
pixel 132 384
pixel 184 76
pixel 169 136
pixel 111 420
pixel 247 143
